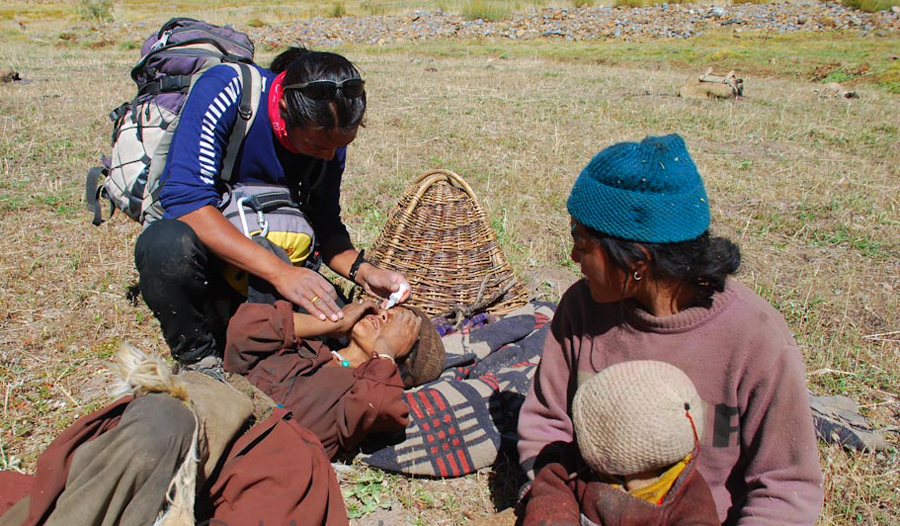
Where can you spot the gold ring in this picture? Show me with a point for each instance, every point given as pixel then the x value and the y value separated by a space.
pixel 314 299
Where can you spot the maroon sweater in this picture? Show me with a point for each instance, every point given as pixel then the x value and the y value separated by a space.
pixel 759 448
pixel 562 500
pixel 341 406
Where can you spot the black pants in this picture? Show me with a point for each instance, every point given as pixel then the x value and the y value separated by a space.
pixel 182 283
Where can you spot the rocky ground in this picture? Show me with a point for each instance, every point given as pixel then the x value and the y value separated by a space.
pixel 575 24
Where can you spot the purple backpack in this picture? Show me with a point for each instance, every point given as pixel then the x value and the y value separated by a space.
pixel 171 60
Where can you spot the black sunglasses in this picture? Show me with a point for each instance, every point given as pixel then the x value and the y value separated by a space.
pixel 327 89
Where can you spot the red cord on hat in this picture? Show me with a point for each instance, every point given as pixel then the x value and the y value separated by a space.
pixel 687 413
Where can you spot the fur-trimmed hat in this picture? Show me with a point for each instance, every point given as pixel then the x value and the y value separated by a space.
pixel 637 416
pixel 425 361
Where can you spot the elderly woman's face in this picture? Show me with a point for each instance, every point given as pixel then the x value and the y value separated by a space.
pixel 605 280
pixel 370 326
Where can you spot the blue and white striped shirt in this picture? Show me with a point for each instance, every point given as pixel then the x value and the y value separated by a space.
pixel 190 179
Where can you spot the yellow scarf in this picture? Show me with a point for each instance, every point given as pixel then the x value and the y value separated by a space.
pixel 656 492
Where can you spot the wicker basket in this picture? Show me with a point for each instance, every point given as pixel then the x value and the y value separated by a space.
pixel 439 237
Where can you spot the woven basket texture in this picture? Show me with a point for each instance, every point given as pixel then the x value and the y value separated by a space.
pixel 439 237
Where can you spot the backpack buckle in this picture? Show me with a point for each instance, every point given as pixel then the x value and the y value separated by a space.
pixel 260 216
pixel 163 40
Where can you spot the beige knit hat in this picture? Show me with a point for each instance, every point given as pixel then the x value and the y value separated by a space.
pixel 425 361
pixel 632 417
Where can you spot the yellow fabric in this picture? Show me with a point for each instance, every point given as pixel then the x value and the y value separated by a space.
pixel 297 245
pixel 654 493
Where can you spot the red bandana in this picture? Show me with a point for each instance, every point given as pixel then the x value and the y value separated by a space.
pixel 279 127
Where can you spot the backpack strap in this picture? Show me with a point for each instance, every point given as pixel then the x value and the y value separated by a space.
pixel 166 84
pixel 92 192
pixel 251 92
pixel 268 201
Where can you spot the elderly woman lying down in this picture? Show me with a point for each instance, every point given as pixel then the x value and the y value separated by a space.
pixel 340 394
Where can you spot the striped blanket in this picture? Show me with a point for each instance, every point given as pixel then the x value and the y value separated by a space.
pixel 458 421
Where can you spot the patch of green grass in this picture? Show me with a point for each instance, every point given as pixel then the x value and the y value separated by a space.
pixel 582 3
pixel 97 11
pixel 30 12
pixel 255 22
pixel 870 5
pixel 366 493
pixel 889 77
pixel 487 10
pixel 337 10
pixel 129 45
pixel 753 54
pixel 842 235
pixel 9 462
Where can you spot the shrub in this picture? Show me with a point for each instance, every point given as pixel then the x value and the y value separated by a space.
pixel 255 22
pixel 486 10
pixel 99 11
pixel 582 3
pixel 337 10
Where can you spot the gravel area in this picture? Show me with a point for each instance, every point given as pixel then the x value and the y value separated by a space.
pixel 577 24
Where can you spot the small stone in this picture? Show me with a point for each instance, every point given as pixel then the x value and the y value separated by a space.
pixel 895 9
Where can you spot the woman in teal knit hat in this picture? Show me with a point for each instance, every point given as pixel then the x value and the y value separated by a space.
pixel 656 287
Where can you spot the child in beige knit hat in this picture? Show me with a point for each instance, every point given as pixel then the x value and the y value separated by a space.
pixel 637 425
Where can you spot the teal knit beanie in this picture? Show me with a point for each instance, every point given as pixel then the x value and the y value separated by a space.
pixel 648 191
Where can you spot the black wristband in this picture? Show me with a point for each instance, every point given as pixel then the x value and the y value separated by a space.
pixel 354 268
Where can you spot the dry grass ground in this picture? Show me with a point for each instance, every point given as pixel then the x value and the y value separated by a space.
pixel 808 186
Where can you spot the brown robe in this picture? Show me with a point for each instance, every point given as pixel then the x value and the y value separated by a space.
pixel 53 464
pixel 277 473
pixel 340 406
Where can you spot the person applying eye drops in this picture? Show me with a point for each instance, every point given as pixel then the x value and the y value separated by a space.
pixel 313 106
